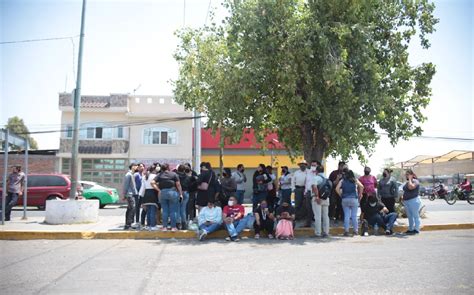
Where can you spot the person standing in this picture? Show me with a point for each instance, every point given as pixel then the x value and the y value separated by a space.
pixel 261 178
pixel 138 175
pixel 192 190
pixel 335 202
pixel 298 185
pixel 228 186
pixel 150 198
pixel 206 185
pixel 387 190
pixel 350 189
pixel 128 192
pixel 271 188
pixel 171 194
pixel 209 219
pixel 185 181
pixel 321 191
pixel 240 179
pixel 370 184
pixel 412 202
pixel 15 189
pixel 285 185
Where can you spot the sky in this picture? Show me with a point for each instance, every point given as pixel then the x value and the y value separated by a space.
pixel 131 43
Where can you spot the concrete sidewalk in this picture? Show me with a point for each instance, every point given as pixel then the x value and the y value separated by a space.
pixel 111 227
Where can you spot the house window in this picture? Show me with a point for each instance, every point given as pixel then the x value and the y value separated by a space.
pixel 66 166
pixel 159 135
pixel 137 99
pixel 98 132
pixel 149 100
pixel 108 172
pixel 119 132
pixel 68 131
pixel 162 101
pixel 90 132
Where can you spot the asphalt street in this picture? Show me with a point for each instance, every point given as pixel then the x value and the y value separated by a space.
pixel 119 210
pixel 430 263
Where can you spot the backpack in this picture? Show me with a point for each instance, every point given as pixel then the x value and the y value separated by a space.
pixel 325 188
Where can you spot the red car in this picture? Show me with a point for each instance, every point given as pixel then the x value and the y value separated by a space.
pixel 42 187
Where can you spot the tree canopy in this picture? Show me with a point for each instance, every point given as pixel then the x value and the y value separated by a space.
pixel 17 126
pixel 327 76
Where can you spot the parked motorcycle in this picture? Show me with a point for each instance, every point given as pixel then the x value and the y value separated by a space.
pixel 439 192
pixel 458 194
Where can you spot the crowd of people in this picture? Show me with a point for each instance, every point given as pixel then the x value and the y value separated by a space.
pixel 159 198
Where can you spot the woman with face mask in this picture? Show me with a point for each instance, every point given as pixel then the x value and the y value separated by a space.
pixel 387 190
pixel 377 213
pixel 412 202
pixel 264 220
pixel 261 178
pixel 350 190
pixel 370 184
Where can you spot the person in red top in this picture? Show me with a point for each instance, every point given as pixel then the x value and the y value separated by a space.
pixel 465 187
pixel 234 219
pixel 370 184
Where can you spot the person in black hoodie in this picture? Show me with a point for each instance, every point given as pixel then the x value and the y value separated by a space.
pixel 375 212
pixel 261 178
pixel 206 182
pixel 183 205
pixel 228 186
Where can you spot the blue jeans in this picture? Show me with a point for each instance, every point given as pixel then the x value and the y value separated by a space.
pixel 285 196
pixel 350 206
pixel 182 209
pixel 386 222
pixel 240 196
pixel 257 198
pixel 412 207
pixel 169 199
pixel 234 229
pixel 10 202
pixel 151 215
pixel 210 228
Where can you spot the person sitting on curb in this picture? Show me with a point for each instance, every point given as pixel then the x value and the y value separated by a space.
pixel 264 220
pixel 375 212
pixel 234 219
pixel 209 219
pixel 286 217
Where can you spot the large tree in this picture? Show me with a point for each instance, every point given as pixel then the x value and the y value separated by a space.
pixel 17 126
pixel 328 76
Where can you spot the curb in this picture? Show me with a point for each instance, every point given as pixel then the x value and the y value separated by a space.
pixel 184 234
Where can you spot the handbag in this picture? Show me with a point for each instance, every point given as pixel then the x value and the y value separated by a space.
pixel 204 186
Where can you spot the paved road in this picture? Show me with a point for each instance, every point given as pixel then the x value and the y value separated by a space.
pixel 118 210
pixel 431 263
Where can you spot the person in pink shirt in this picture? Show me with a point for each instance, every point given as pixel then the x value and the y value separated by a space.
pixel 370 184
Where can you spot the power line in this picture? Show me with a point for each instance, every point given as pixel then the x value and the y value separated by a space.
pixel 436 137
pixel 38 40
pixel 207 14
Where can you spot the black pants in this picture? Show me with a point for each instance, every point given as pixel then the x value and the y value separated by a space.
pixel 299 200
pixel 335 207
pixel 131 210
pixel 266 225
pixel 192 205
pixel 389 203
pixel 308 209
pixel 138 202
pixel 10 202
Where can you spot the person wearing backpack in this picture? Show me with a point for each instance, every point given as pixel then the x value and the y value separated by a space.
pixel 321 189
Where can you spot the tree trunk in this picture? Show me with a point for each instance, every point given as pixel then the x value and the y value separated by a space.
pixel 314 144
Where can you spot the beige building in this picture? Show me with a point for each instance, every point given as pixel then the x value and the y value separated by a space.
pixel 118 129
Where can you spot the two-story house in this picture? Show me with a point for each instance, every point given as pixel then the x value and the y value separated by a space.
pixel 121 128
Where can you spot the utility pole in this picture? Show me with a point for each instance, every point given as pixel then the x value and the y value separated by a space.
pixel 197 140
pixel 77 109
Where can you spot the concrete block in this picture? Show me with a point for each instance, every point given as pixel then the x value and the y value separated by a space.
pixel 72 211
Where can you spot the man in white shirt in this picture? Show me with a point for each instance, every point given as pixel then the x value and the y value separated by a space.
pixel 320 204
pixel 298 185
pixel 240 179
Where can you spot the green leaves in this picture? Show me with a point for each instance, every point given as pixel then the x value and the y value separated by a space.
pixel 326 75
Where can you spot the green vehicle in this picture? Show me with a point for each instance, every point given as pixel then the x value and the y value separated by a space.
pixel 94 191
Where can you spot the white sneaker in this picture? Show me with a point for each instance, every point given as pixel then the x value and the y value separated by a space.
pixel 145 228
pixel 136 225
pixel 202 235
pixel 154 228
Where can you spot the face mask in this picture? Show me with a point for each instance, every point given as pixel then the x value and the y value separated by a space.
pixel 366 172
pixel 283 171
pixel 230 203
pixel 313 168
pixel 385 175
pixel 372 204
pixel 303 168
pixel 263 206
